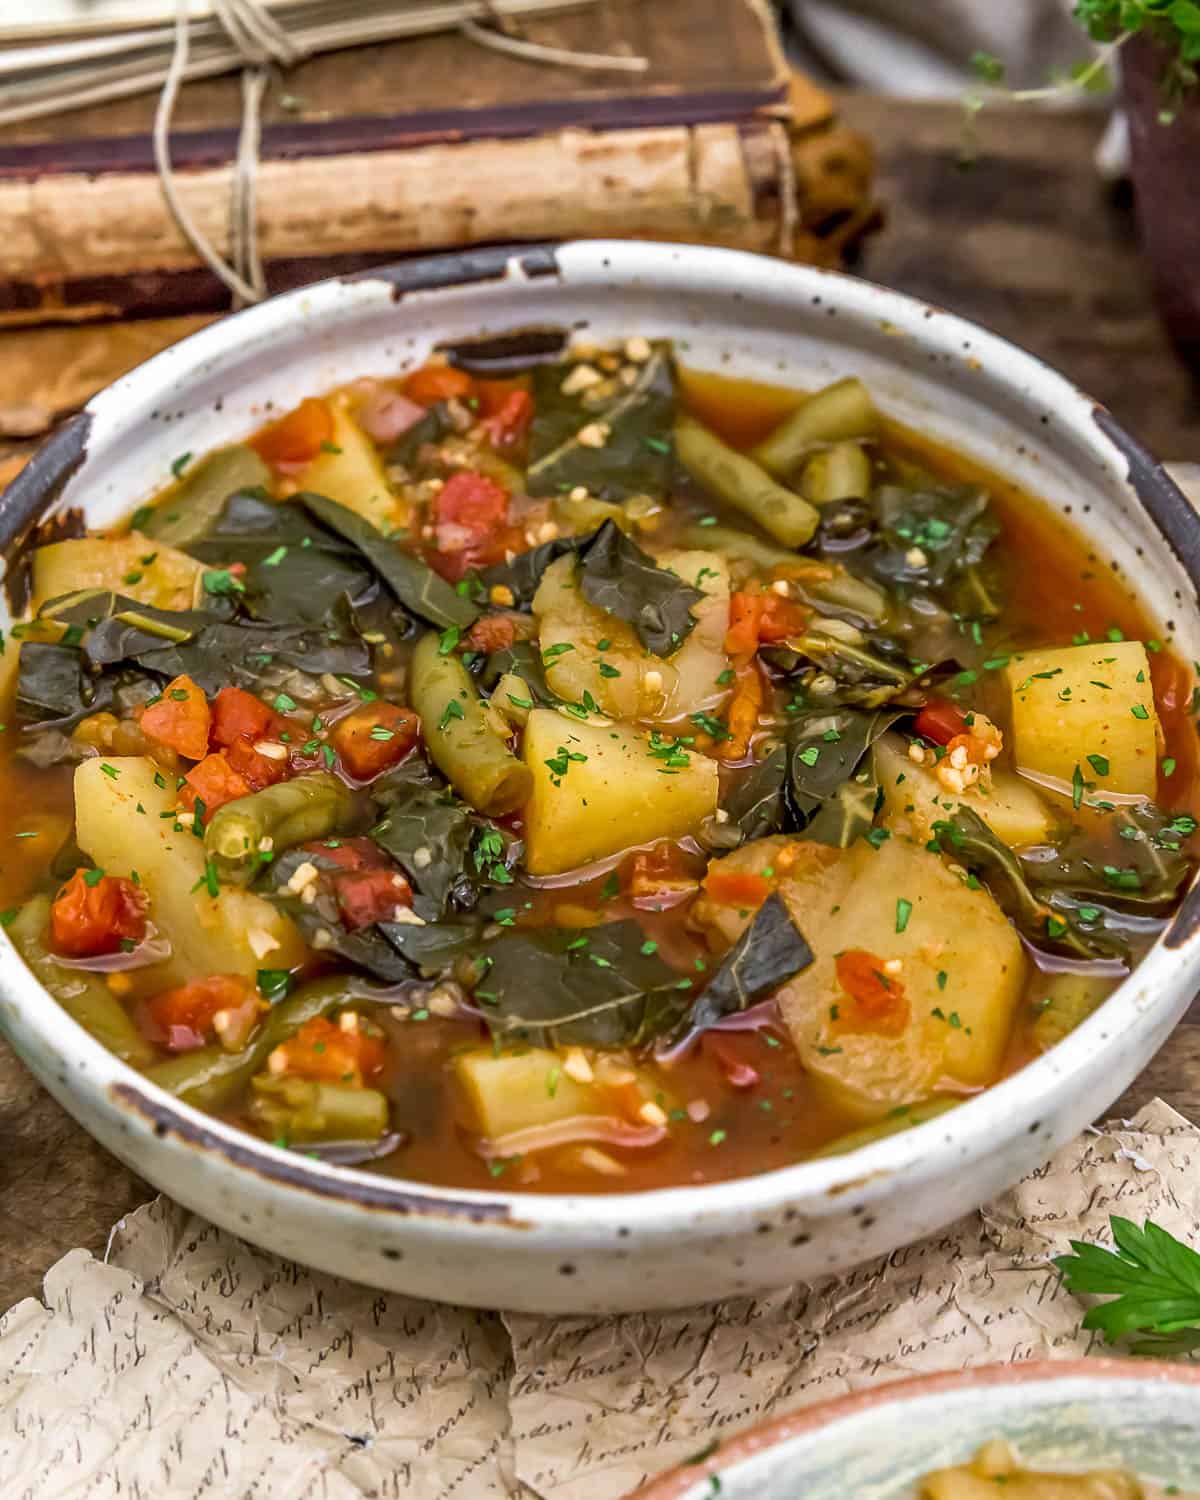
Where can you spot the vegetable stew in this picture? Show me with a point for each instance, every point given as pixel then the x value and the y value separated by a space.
pixel 595 776
pixel 996 1465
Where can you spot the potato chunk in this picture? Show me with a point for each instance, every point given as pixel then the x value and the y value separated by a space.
pixel 914 799
pixel 1081 701
pixel 521 1089
pixel 903 903
pixel 119 825
pixel 654 688
pixel 134 565
pixel 598 789
pixel 350 471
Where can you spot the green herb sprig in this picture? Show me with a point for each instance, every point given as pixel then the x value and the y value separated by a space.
pixel 1153 1279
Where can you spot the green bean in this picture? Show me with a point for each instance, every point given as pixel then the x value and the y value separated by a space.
pixel 839 411
pixel 289 813
pixel 84 996
pixel 459 735
pixel 842 472
pixel 188 512
pixel 509 699
pixel 730 542
pixel 208 1077
pixel 744 484
pixel 301 1109
pixel 893 1124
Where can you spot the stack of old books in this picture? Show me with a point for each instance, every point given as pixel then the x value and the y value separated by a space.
pixel 376 151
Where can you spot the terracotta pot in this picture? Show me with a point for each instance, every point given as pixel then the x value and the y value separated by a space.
pixel 1166 174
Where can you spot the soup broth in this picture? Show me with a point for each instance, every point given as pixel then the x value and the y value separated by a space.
pixel 604 777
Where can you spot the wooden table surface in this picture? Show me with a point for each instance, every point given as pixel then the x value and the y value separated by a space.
pixel 1027 242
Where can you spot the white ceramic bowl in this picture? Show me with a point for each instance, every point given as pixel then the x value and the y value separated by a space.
pixel 1102 1413
pixel 759 317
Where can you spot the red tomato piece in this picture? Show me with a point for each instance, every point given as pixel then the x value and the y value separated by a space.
pixel 237 714
pixel 879 1001
pixel 433 383
pixel 939 721
pixel 323 1051
pixel 373 737
pixel 93 915
pixel 468 508
pixel 214 782
pixel 257 769
pixel 507 426
pixel 745 612
pixel 492 633
pixel 349 854
pixel 366 896
pixel 180 719
pixel 295 440
pixel 741 888
pixel 184 1017
pixel 780 617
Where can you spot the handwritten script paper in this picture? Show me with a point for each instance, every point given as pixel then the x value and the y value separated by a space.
pixel 193 1365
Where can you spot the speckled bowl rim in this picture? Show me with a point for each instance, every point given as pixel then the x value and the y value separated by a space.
pixel 757 1440
pixel 870 1172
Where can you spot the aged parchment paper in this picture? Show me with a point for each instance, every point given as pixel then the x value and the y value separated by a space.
pixel 193 1365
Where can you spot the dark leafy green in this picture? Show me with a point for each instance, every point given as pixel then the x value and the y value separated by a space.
pixel 825 751
pixel 524 573
pixel 847 816
pixel 868 676
pixel 525 659
pixel 431 428
pixel 1152 865
pixel 431 949
pixel 428 832
pixel 419 589
pixel 755 801
pixel 971 842
pixel 636 457
pixel 54 687
pixel 617 576
pixel 771 951
pixel 296 569
pixel 935 538
pixel 595 987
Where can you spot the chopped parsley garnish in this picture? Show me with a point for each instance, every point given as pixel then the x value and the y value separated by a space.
pixel 453 710
pixel 903 912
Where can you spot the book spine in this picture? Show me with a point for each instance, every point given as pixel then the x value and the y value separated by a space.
pixel 78 246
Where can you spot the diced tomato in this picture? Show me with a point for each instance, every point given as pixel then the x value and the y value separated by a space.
pixel 433 383
pixel 214 782
pixel 255 768
pixel 939 721
pixel 182 1018
pixel 740 888
pixel 726 1053
pixel 366 896
pixel 180 719
pixel 237 714
pixel 349 854
pixel 93 915
pixel 492 633
pixel 295 440
pixel 745 611
pixel 322 1050
pixel 755 619
pixel 662 876
pixel 780 618
pixel 468 507
pixel 744 709
pixel 373 737
pixel 507 426
pixel 879 1002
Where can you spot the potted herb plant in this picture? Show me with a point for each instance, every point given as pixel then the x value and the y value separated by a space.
pixel 1158 45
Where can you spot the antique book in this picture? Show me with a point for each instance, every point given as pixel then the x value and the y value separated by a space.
pixel 374 152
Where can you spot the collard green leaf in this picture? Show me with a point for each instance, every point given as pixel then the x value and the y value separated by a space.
pixel 296 569
pixel 617 576
pixel 524 573
pixel 524 658
pixel 771 951
pixel 1149 872
pixel 419 589
pixel 867 676
pixel 847 816
pixel 826 750
pixel 636 456
pixel 755 799
pixel 431 428
pixel 431 949
pixel 935 538
pixel 596 987
pixel 428 832
pixel 55 688
pixel 189 511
